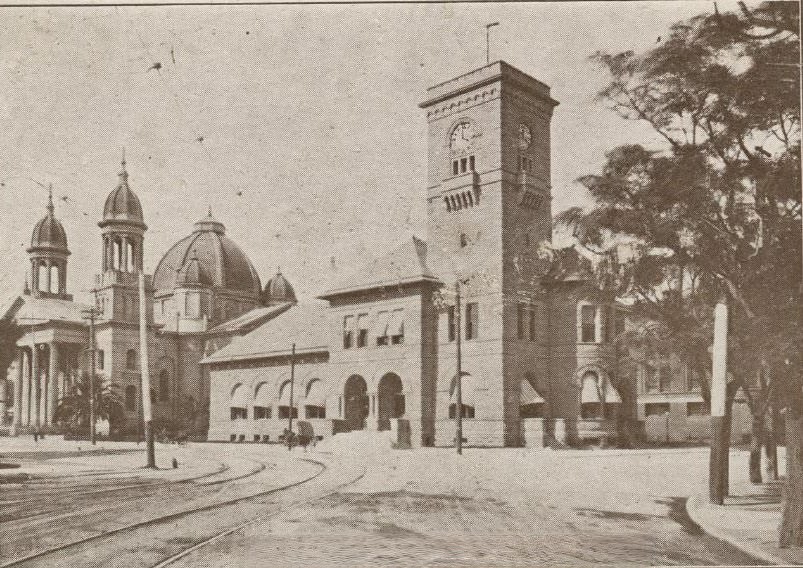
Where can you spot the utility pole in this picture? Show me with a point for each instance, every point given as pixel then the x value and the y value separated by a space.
pixel 91 314
pixel 718 464
pixel 292 383
pixel 147 413
pixel 458 390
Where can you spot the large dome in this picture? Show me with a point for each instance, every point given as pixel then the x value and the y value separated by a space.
pixel 122 204
pixel 206 257
pixel 48 233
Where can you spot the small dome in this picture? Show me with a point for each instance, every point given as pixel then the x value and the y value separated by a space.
pixel 191 273
pixel 278 291
pixel 206 257
pixel 48 233
pixel 122 204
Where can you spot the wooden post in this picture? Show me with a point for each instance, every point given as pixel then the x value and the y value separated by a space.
pixel 718 463
pixel 292 384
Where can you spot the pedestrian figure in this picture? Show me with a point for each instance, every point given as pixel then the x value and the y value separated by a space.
pixel 175 463
pixel 36 436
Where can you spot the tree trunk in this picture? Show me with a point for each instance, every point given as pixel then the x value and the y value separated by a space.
pixel 771 443
pixel 791 530
pixel 756 443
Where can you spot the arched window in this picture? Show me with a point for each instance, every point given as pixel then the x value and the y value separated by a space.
pixel 131 360
pixel 42 269
pixel 117 254
pixel 239 403
pixel 164 385
pixel 468 389
pixel 262 402
pixel 284 401
pixel 315 403
pixel 131 398
pixel 54 279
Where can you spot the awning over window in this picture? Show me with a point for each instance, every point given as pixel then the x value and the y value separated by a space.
pixel 528 394
pixel 316 395
pixel 380 324
pixel 591 392
pixel 396 323
pixel 263 395
pixel 468 390
pixel 284 394
pixel 239 397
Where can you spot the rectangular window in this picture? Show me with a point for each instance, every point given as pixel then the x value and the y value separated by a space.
pixel 697 409
pixel 650 379
pixel 532 324
pixel 452 330
pixel 382 340
pixel 455 167
pixel 362 330
pixel 693 380
pixel 521 310
pixel 603 317
pixel 238 413
pixel 463 165
pixel 284 412
pixel 471 163
pixel 472 321
pixel 664 378
pixel 99 359
pixel 262 412
pixel 656 409
pixel 348 332
pixel 588 316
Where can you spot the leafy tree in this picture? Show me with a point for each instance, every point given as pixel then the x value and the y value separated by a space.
pixel 73 410
pixel 714 210
pixel 10 332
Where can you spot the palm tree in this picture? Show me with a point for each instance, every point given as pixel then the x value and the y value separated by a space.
pixel 74 409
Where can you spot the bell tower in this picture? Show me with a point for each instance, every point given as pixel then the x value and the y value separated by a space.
pixel 48 254
pixel 488 202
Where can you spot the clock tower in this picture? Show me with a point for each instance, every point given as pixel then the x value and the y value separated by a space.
pixel 488 197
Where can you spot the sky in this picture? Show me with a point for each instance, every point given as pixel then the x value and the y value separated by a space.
pixel 298 125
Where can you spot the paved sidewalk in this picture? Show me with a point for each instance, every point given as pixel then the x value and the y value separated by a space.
pixel 749 520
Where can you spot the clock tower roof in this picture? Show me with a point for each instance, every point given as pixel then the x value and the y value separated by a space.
pixel 491 73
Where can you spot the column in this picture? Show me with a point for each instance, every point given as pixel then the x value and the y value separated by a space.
pixel 48 280
pixel 35 385
pixel 53 379
pixel 26 388
pixel 105 256
pixel 124 254
pixel 34 276
pixel 18 389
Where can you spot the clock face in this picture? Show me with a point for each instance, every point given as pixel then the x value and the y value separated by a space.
pixel 525 136
pixel 462 136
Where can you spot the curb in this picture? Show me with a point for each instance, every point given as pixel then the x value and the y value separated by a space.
pixel 693 506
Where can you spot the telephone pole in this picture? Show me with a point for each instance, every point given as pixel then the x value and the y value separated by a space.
pixel 292 383
pixel 718 464
pixel 147 413
pixel 488 41
pixel 458 388
pixel 91 314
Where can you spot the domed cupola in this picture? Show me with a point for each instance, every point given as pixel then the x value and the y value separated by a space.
pixel 192 274
pixel 278 291
pixel 122 205
pixel 123 228
pixel 210 258
pixel 48 253
pixel 48 233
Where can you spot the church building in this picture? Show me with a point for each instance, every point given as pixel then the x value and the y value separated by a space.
pixel 378 350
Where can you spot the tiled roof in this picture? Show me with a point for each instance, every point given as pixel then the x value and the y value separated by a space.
pixel 251 319
pixel 303 324
pixel 42 310
pixel 405 264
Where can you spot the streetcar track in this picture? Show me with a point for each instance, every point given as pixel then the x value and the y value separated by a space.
pixel 164 518
pixel 71 491
pixel 186 552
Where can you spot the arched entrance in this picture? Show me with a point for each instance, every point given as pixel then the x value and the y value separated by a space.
pixel 355 395
pixel 391 400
